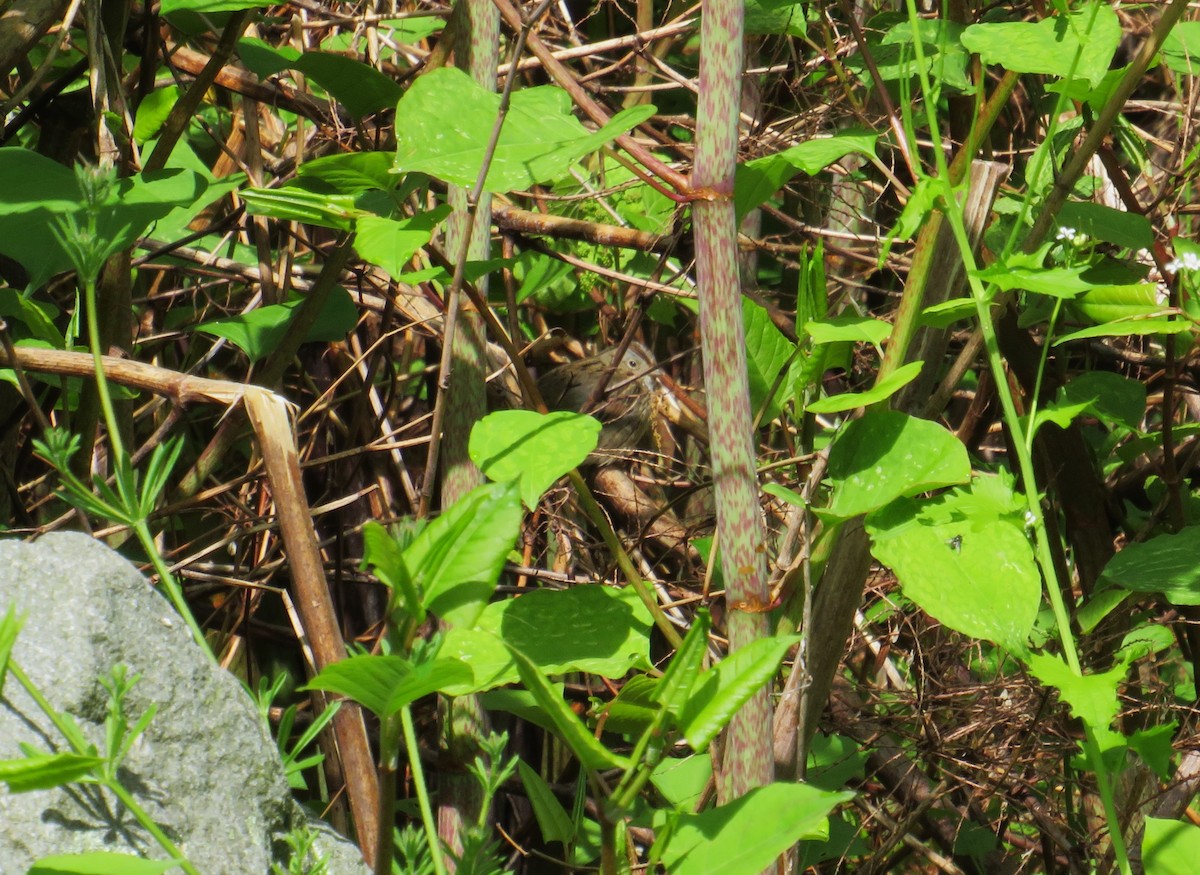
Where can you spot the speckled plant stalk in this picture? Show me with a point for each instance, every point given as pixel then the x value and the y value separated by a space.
pixel 748 759
pixel 465 722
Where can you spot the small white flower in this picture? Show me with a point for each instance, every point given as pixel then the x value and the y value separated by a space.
pixel 1030 519
pixel 1065 233
pixel 1189 261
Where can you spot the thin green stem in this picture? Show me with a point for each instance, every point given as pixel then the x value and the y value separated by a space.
pixel 418 773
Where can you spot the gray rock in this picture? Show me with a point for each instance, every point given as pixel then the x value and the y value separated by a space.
pixel 206 770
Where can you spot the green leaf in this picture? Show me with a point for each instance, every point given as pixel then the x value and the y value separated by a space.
pixel 1167 564
pixel 682 780
pixel 1050 46
pixel 745 836
pixel 1170 847
pixel 1108 396
pixel 533 449
pixel 491 663
pixel 675 687
pixel 385 684
pixel 1104 223
pixel 383 555
pixel 391 243
pixel 721 691
pixel 260 331
pixel 601 630
pixel 1093 697
pixel 10 628
pixel 153 111
pixel 457 558
pixel 1118 303
pixel 38 192
pixel 965 560
pixel 444 122
pixel 1181 48
pixel 1130 328
pixel 776 17
pixel 887 455
pixel 849 329
pixel 295 204
pixel 767 352
pixel 791 496
pixel 882 390
pixel 351 173
pixel 552 818
pixel 100 862
pixel 758 180
pixel 1057 282
pixel 45 771
pixel 208 6
pixel 591 753
pixel 359 87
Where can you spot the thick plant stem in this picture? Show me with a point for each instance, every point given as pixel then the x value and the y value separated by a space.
pixel 748 759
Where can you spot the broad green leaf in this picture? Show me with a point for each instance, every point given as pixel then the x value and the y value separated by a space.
pixel 767 352
pixel 351 173
pixel 722 690
pixel 260 331
pixel 942 42
pixel 945 314
pixel 552 818
pixel 776 17
pixel 1110 303
pixel 1168 564
pixel 887 455
pixel 1050 46
pixel 1092 697
pixel 1129 328
pixel 596 629
pixel 1170 847
pixel 835 760
pixel 456 559
pixel 682 780
pixel 791 496
pixel 385 684
pixel 974 572
pixel 1109 396
pixel 533 449
pixel 391 243
pixel 45 771
pixel 1154 746
pixel 384 556
pixel 300 205
pixel 153 111
pixel 743 837
pixel 636 708
pixel 882 390
pixel 1061 413
pixel 100 863
pixel 850 329
pixel 591 753
pixel 1181 48
pixel 444 121
pixel 1058 282
pixel 38 192
pixel 490 662
pixel 1099 222
pixel 359 87
pixel 757 180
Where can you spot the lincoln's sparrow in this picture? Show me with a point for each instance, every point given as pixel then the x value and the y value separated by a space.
pixel 625 406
